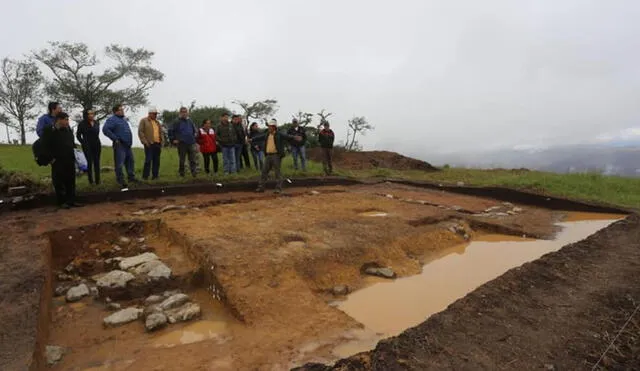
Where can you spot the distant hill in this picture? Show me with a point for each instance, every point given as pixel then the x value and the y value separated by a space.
pixel 619 158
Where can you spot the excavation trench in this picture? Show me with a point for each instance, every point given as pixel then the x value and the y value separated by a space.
pixel 268 281
pixel 388 308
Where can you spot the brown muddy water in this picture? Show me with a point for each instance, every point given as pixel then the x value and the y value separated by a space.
pixel 388 308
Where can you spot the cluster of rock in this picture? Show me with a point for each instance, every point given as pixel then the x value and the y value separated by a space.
pixel 459 229
pixel 500 211
pixel 163 209
pixel 423 202
pixel 160 310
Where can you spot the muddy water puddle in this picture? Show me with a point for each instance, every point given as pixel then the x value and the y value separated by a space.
pixel 388 308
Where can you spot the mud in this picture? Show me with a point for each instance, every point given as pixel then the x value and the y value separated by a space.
pixel 267 264
pixel 558 312
pixel 366 160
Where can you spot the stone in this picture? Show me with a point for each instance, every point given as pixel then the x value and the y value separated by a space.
pixel 139 213
pixel 168 293
pixel 501 214
pixel 340 290
pixel 155 269
pixel 507 204
pixel 122 317
pixel 184 313
pixel 115 279
pixel 492 208
pixel 70 268
pixel 155 321
pixel 457 208
pixel 511 212
pixel 517 209
pixel 124 240
pixel 381 272
pixel 389 196
pixel 94 291
pixel 133 261
pixel 17 199
pixel 150 310
pixel 116 248
pixel 549 367
pixel 141 240
pixel 153 299
pixel 77 292
pixel 173 301
pixel 65 277
pixel 160 272
pixel 314 193
pixel 53 354
pixel 113 306
pixel 61 289
pixel 17 191
pixel 172 207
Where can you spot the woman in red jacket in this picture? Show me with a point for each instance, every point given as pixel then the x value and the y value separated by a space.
pixel 207 142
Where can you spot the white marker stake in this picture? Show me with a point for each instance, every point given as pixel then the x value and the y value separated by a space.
pixel 288 180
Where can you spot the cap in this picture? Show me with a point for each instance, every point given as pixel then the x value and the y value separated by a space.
pixel 294 120
pixel 153 109
pixel 273 122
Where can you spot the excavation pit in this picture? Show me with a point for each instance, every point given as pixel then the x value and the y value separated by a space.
pixel 263 270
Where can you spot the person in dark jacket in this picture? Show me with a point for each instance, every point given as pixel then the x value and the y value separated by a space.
pixel 241 141
pixel 298 147
pixel 226 136
pixel 183 135
pixel 60 147
pixel 49 118
pixel 88 134
pixel 274 153
pixel 207 142
pixel 117 129
pixel 326 138
pixel 257 139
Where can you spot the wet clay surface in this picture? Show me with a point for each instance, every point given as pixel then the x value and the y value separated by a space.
pixel 388 308
pixel 275 260
pixel 559 312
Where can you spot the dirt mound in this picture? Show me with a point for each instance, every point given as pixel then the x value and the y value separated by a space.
pixel 367 160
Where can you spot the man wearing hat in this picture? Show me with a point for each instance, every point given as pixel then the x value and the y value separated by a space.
pixel 297 147
pixel 150 134
pixel 274 152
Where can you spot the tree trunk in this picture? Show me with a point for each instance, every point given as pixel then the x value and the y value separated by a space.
pixel 23 136
pixel 8 137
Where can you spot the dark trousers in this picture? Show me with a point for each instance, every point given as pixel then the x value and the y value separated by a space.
pixel 184 151
pixel 258 159
pixel 208 158
pixel 327 160
pixel 271 161
pixel 151 161
pixel 122 155
pixel 63 177
pixel 92 153
pixel 245 156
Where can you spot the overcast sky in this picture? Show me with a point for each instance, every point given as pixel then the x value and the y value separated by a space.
pixel 430 75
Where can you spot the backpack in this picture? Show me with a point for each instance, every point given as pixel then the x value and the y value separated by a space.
pixel 39 152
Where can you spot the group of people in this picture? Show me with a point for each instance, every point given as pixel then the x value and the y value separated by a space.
pixel 231 138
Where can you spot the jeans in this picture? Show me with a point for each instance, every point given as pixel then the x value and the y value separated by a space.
pixel 274 162
pixel 187 150
pixel 151 161
pixel 208 158
pixel 63 177
pixel 299 152
pixel 245 156
pixel 92 153
pixel 327 155
pixel 258 159
pixel 238 156
pixel 229 159
pixel 122 155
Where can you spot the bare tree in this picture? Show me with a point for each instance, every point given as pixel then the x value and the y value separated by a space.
pixel 4 119
pixel 77 81
pixel 324 116
pixel 260 110
pixel 304 118
pixel 357 125
pixel 20 89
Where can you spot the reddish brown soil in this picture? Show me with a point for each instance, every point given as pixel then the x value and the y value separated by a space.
pixel 273 258
pixel 367 160
pixel 560 312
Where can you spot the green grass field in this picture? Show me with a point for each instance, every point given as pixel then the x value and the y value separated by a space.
pixel 589 187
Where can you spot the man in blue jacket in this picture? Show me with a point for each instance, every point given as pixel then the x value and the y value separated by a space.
pixel 49 118
pixel 118 130
pixel 183 135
